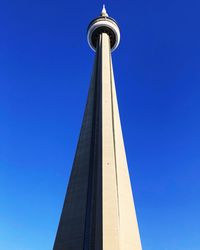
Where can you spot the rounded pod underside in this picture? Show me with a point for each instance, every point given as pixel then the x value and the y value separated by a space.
pixel 103 25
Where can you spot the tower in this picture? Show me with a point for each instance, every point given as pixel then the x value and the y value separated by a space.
pixel 98 211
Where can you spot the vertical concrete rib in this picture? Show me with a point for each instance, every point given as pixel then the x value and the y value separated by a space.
pixel 129 232
pixel 81 212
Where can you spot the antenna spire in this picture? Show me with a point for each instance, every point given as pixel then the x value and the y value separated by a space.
pixel 104 12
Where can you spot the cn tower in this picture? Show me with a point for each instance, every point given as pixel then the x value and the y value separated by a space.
pixel 99 211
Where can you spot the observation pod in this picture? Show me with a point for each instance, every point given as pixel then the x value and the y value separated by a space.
pixel 103 24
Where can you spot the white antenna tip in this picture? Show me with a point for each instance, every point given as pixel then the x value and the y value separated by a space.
pixel 104 12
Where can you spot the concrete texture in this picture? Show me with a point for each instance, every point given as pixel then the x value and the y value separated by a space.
pixel 98 211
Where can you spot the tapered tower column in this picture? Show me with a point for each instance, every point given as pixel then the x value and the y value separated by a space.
pixel 98 212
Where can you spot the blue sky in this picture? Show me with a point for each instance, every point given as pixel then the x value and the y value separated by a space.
pixel 45 69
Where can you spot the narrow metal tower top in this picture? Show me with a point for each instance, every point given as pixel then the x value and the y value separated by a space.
pixel 104 12
pixel 103 24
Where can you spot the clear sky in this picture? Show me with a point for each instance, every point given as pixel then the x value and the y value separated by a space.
pixel 45 69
